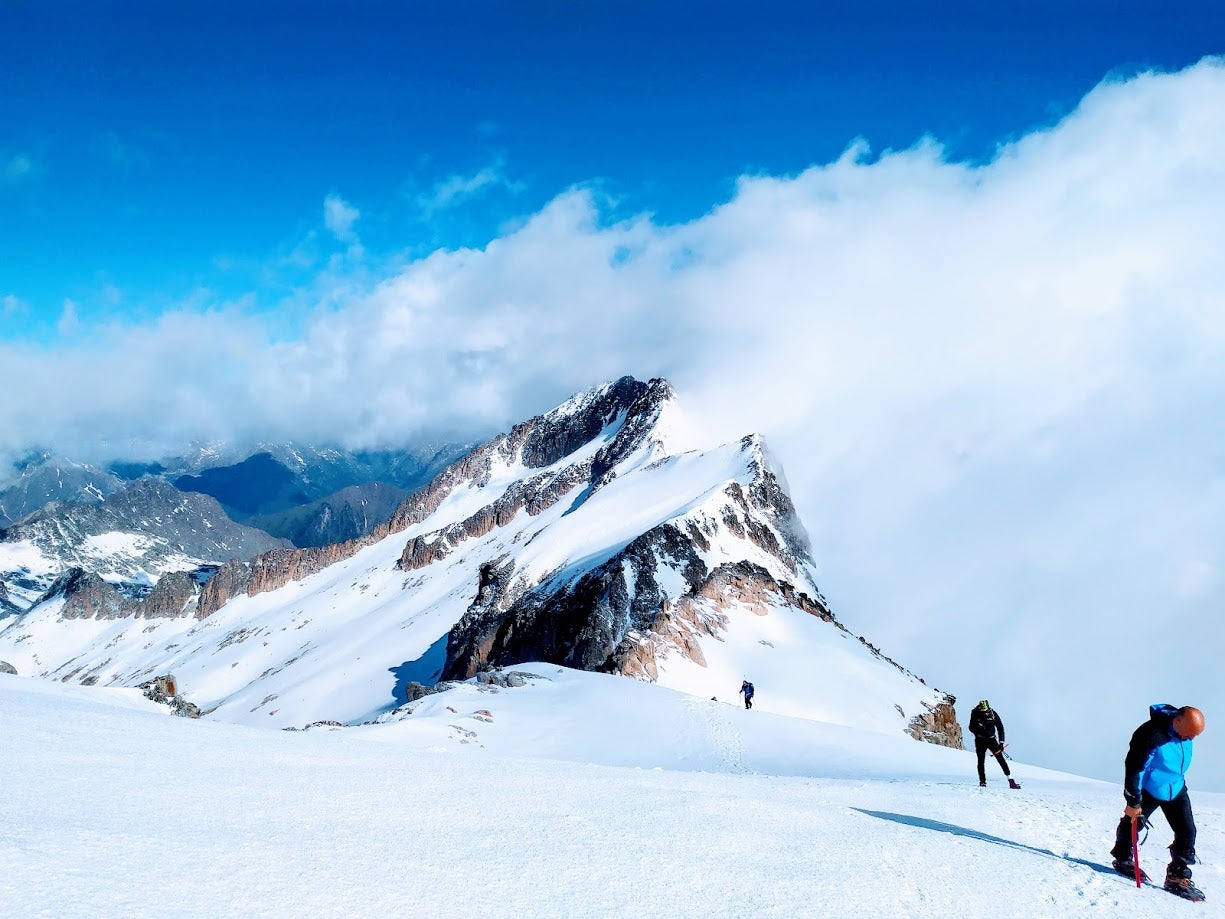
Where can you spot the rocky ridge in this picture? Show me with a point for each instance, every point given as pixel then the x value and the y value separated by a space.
pixel 539 442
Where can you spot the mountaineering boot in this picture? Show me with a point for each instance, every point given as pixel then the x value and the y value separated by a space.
pixel 1183 888
pixel 1175 883
pixel 982 783
pixel 1012 783
pixel 1127 868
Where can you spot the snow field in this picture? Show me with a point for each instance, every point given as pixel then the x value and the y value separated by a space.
pixel 114 809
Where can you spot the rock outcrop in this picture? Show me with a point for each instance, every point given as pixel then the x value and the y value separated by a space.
pixel 164 691
pixel 87 596
pixel 938 724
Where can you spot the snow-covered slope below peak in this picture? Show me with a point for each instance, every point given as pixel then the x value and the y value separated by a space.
pixel 543 797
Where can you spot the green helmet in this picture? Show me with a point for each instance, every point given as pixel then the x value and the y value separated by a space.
pixel 984 705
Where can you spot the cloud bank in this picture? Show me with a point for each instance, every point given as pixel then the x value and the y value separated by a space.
pixel 993 386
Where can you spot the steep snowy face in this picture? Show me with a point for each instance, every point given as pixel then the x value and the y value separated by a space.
pixel 587 536
pixel 129 540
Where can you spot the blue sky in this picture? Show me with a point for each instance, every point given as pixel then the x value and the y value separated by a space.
pixel 962 270
pixel 158 154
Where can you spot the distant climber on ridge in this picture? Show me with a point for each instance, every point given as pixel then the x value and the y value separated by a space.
pixel 984 724
pixel 746 689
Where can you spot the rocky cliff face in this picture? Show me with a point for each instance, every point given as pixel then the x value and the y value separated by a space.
pixel 273 570
pixel 938 724
pixel 704 610
pixel 87 596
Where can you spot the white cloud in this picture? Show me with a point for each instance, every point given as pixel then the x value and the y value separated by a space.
pixel 457 189
pixel 994 388
pixel 339 217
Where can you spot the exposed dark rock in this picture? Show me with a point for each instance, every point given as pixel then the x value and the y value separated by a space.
pixel 164 691
pixel 87 596
pixel 542 437
pixel 577 625
pixel 6 667
pixel 173 596
pixel 736 551
pixel 552 437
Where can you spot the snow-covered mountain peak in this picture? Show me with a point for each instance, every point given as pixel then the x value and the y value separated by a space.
pixel 582 537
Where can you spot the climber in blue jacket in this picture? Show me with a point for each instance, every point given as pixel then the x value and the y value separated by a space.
pixel 1157 761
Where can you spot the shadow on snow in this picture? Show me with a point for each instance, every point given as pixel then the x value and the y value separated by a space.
pixel 425 670
pixel 925 823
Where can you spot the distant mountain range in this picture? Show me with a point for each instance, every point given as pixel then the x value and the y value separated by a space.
pixel 131 538
pixel 44 478
pixel 264 479
pixel 591 536
pixel 274 478
pixel 132 522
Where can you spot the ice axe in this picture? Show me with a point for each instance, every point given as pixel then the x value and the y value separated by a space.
pixel 1135 848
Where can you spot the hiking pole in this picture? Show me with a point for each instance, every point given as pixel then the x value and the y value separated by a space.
pixel 1135 848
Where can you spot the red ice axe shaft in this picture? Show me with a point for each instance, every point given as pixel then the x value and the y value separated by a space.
pixel 1135 849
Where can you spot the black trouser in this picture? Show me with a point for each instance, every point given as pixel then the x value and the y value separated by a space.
pixel 1182 822
pixel 981 746
pixel 748 701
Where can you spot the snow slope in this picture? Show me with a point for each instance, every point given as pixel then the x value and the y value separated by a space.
pixel 575 795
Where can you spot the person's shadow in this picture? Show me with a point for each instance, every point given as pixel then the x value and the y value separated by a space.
pixel 928 824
